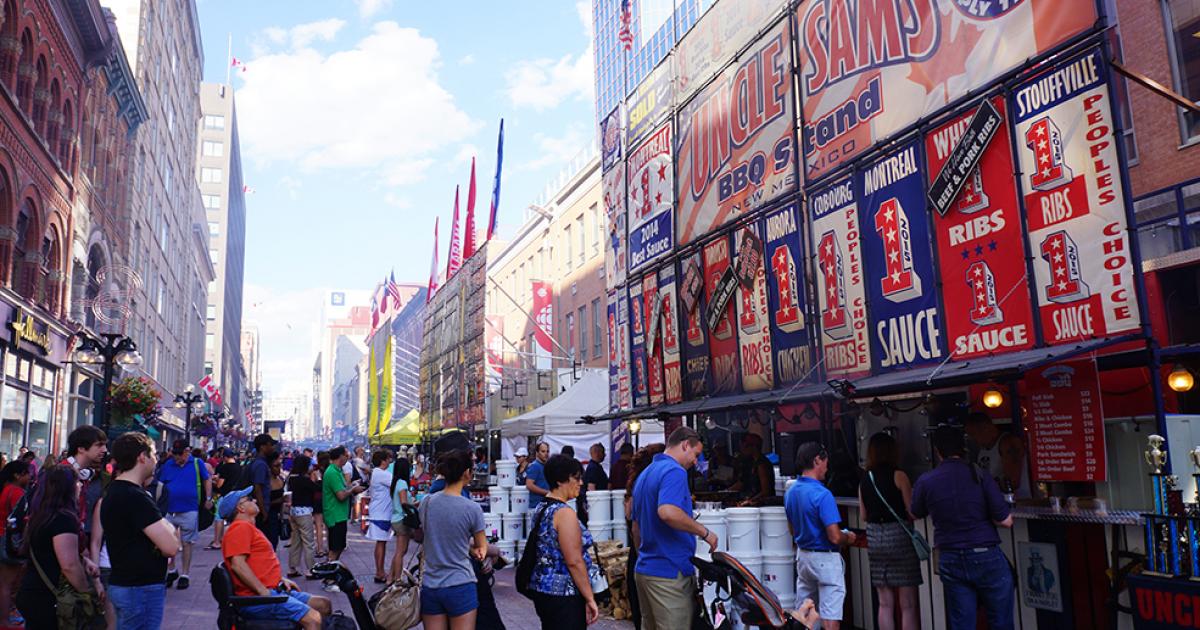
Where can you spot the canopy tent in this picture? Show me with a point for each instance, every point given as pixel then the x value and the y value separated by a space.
pixel 405 430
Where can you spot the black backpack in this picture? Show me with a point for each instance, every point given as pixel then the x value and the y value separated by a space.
pixel 14 528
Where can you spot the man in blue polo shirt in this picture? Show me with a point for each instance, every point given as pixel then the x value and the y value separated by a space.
pixel 665 533
pixel 535 475
pixel 966 506
pixel 815 523
pixel 183 475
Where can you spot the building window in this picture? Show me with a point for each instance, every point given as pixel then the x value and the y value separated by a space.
pixel 212 202
pixel 571 335
pixel 597 228
pixel 582 240
pixel 213 148
pixel 210 341
pixel 570 248
pixel 597 329
pixel 583 332
pixel 1183 26
pixel 214 122
pixel 212 311
pixel 210 175
pixel 214 228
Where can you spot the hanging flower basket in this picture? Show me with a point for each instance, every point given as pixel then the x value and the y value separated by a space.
pixel 133 396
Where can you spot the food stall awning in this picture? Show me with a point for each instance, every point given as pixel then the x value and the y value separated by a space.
pixel 405 430
pixel 1002 367
pixel 586 398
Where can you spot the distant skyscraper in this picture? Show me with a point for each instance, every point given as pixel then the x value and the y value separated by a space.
pixel 655 25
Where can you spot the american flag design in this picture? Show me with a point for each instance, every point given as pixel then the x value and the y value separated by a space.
pixel 986 299
pixel 625 34
pixel 1075 209
pixel 870 70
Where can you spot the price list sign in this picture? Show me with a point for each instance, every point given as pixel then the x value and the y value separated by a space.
pixel 1066 424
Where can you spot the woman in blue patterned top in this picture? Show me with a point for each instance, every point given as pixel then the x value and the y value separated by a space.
pixel 563 576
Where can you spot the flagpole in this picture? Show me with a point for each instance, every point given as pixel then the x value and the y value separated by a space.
pixel 229 59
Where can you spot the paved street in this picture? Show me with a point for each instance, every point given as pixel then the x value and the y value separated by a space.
pixel 194 608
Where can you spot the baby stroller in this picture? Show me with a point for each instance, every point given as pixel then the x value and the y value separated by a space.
pixel 733 598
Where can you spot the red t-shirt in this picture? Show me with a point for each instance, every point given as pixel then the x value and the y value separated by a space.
pixel 8 500
pixel 242 538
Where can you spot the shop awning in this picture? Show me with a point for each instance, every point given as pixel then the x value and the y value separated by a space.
pixel 1002 367
pixel 405 430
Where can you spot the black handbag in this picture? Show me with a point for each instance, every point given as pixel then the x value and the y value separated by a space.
pixel 205 517
pixel 524 572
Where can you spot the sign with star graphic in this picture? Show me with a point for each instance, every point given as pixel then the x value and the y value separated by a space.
pixel 736 148
pixel 753 320
pixel 905 322
pixel 987 308
pixel 869 71
pixel 639 370
pixel 719 288
pixel 696 362
pixel 623 351
pixel 668 337
pixel 651 311
pixel 1074 202
pixel 787 295
pixel 614 358
pixel 838 267
pixel 651 190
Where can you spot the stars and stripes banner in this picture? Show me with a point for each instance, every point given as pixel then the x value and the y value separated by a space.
pixel 454 262
pixel 787 294
pixel 495 205
pixel 625 35
pixel 985 291
pixel 1074 202
pixel 469 234
pixel 866 75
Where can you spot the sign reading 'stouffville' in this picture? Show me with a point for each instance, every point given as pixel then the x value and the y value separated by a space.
pixel 956 173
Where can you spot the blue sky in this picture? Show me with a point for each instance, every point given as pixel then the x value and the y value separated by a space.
pixel 358 118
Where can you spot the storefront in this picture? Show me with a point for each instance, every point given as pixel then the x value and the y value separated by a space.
pixel 30 391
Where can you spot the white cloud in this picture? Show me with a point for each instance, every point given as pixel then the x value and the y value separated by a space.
pixel 353 108
pixel 465 153
pixel 544 83
pixel 368 8
pixel 292 186
pixel 283 317
pixel 396 201
pixel 556 150
pixel 466 60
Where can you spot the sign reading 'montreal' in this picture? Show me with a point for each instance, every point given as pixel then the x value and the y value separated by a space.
pixel 651 195
pixel 1074 202
pixel 870 72
pixel 963 160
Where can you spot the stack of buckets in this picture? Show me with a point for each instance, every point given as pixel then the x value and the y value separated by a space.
pixel 759 539
pixel 507 505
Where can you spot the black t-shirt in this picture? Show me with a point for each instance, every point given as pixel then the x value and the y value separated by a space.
pixel 877 511
pixel 229 472
pixel 42 548
pixel 128 510
pixel 595 474
pixel 303 490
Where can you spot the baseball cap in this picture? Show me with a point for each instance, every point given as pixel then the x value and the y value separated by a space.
pixel 228 452
pixel 227 507
pixel 264 438
pixel 453 441
pixel 522 452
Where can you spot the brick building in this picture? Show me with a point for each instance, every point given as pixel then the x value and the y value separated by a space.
pixel 68 110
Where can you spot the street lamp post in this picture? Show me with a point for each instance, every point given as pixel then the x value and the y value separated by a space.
pixel 187 400
pixel 115 348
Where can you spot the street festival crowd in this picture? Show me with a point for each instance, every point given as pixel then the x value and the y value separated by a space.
pixel 94 537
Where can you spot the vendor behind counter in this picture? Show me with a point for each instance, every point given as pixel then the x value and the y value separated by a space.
pixel 754 477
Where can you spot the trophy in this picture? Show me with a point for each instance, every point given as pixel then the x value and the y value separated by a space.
pixel 1194 455
pixel 1156 457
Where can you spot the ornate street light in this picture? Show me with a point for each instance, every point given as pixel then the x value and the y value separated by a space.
pixel 187 400
pixel 113 350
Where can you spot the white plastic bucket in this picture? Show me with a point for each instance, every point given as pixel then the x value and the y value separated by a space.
pixel 714 520
pixel 780 485
pixel 518 500
pixel 743 530
pixel 618 504
pixel 508 548
pixel 498 500
pixel 491 524
pixel 787 485
pixel 514 527
pixel 520 550
pixel 619 533
pixel 599 505
pixel 779 573
pixel 753 561
pixel 601 530
pixel 773 533
pixel 788 600
pixel 506 473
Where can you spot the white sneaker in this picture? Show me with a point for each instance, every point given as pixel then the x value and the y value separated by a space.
pixel 330 587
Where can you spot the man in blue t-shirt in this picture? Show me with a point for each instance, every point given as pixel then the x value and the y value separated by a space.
pixel 183 476
pixel 815 524
pixel 535 475
pixel 665 534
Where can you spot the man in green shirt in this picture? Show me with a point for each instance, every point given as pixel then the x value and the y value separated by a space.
pixel 336 498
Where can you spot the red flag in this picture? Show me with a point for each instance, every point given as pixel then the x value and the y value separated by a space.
pixel 433 282
pixel 455 259
pixel 496 185
pixel 469 236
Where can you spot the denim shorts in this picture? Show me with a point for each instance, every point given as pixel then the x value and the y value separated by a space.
pixel 452 601
pixel 292 610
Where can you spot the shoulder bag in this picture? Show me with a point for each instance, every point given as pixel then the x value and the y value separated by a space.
pixel 529 557
pixel 920 545
pixel 398 607
pixel 75 610
pixel 204 517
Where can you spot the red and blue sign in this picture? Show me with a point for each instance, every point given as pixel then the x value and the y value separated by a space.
pixel 637 346
pixel 901 288
pixel 697 380
pixel 787 291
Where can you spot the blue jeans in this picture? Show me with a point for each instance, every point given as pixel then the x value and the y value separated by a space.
pixel 138 607
pixel 971 577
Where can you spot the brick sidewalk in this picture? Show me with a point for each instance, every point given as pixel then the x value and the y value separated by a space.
pixel 194 608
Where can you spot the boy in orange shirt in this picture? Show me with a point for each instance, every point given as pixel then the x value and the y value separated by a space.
pixel 255 567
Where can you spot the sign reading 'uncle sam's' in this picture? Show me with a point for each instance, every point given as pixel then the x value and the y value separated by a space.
pixel 905 322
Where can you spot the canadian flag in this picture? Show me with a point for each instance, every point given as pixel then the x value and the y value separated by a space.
pixel 209 387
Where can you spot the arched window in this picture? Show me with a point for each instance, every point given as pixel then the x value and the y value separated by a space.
pixel 10 46
pixel 67 137
pixel 54 119
pixel 25 74
pixel 6 232
pixel 41 95
pixel 23 245
pixel 50 272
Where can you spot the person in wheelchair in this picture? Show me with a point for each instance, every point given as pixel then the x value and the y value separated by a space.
pixel 253 565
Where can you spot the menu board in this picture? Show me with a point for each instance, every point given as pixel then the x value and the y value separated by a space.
pixel 1066 423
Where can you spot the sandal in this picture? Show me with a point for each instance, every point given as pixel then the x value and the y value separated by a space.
pixel 380 580
pixel 213 547
pixel 293 574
